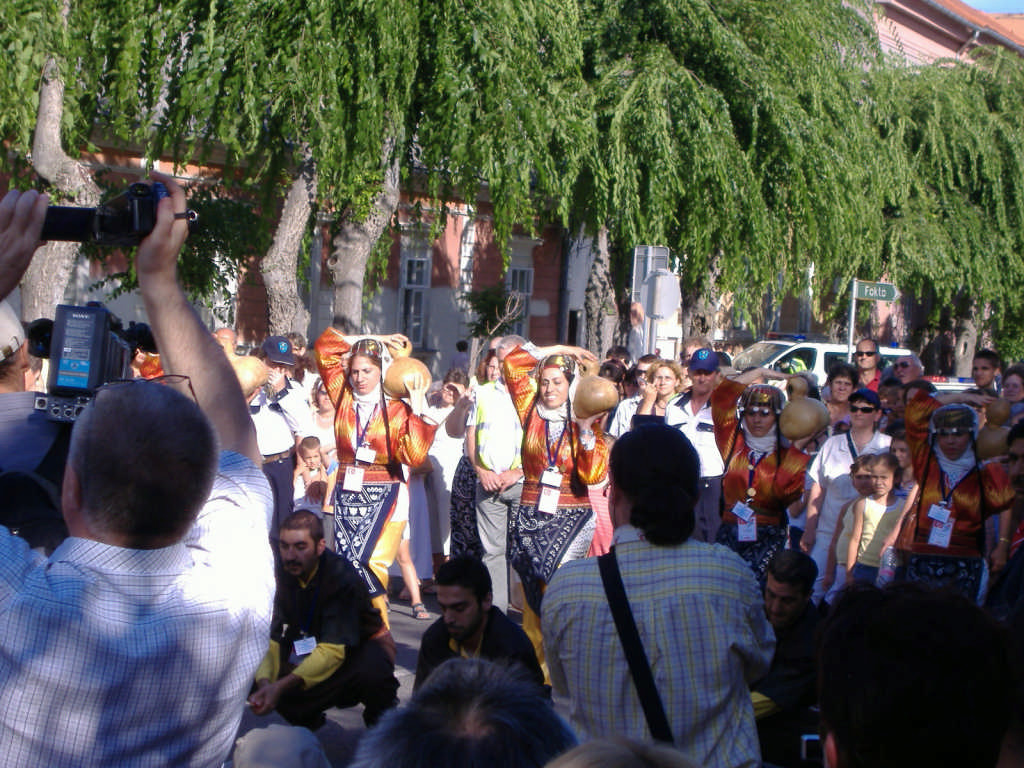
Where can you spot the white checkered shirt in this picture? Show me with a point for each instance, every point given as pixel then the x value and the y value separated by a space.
pixel 113 656
pixel 702 623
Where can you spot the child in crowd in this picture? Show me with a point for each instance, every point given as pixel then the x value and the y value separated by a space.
pixel 904 482
pixel 309 470
pixel 890 392
pixel 835 568
pixel 874 518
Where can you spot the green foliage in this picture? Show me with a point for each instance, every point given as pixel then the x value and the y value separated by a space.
pixel 29 33
pixel 774 135
pixel 734 128
pixel 498 99
pixel 953 214
pixel 229 232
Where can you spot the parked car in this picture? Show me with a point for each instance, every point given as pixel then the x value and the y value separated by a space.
pixel 798 356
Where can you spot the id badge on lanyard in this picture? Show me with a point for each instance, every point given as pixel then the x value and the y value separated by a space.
pixel 353 480
pixel 365 454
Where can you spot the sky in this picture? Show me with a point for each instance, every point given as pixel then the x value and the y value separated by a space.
pixel 997 6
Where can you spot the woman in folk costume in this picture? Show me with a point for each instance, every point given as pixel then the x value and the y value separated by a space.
pixel 944 531
pixel 376 436
pixel 764 474
pixel 561 456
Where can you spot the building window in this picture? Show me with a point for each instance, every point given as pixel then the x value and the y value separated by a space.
pixel 519 280
pixel 413 287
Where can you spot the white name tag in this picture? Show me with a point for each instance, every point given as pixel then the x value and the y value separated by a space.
pixel 366 454
pixel 939 513
pixel 551 478
pixel 940 534
pixel 742 511
pixel 548 503
pixel 305 646
pixel 353 479
pixel 746 530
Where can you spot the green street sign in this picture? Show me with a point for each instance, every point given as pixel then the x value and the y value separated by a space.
pixel 876 291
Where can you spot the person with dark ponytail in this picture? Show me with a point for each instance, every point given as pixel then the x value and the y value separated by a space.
pixel 561 456
pixel 699 616
pixel 376 436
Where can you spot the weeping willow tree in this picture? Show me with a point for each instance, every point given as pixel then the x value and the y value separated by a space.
pixel 340 103
pixel 737 134
pixel 953 211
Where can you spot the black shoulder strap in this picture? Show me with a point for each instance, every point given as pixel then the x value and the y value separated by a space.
pixel 639 666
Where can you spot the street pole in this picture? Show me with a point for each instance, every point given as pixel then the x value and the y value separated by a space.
pixel 853 319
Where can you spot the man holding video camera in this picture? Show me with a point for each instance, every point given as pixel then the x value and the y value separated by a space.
pixel 135 642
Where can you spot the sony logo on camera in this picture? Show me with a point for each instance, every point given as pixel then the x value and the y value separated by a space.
pixel 87 349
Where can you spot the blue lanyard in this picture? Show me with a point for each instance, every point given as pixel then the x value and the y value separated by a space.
pixel 752 467
pixel 553 457
pixel 366 425
pixel 947 495
pixel 853 448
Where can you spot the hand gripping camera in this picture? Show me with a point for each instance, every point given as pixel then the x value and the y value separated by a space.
pixel 122 221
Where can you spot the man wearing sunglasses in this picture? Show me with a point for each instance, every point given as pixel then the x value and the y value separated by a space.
pixel 134 643
pixel 866 358
pixel 907 369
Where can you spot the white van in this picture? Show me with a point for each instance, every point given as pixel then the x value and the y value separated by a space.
pixel 788 356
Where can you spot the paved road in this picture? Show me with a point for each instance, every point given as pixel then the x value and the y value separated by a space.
pixel 341 733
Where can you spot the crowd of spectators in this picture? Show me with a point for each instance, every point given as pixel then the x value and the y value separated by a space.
pixel 686 579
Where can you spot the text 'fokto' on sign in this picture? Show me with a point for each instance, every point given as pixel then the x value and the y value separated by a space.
pixel 876 291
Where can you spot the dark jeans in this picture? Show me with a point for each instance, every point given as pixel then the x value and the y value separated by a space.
pixel 708 510
pixel 367 677
pixel 281 476
pixel 864 574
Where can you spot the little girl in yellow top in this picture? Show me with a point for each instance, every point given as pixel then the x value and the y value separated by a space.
pixel 874 518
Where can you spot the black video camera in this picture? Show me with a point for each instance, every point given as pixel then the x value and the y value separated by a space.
pixel 87 347
pixel 122 221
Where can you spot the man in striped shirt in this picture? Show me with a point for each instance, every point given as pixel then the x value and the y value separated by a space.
pixel 697 608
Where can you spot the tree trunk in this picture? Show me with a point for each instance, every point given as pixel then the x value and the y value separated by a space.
pixel 599 298
pixel 700 301
pixel 966 340
pixel 354 244
pixel 47 277
pixel 280 264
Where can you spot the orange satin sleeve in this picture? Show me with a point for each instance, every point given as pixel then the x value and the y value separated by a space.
pixel 517 370
pixel 723 412
pixel 413 438
pixel 330 351
pixel 592 466
pixel 916 417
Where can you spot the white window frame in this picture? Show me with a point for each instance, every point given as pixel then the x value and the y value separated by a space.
pixel 414 286
pixel 519 279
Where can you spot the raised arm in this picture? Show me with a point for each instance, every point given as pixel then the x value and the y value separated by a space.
pixel 186 346
pixel 21 222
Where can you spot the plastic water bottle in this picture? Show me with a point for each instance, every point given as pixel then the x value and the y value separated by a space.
pixel 887 568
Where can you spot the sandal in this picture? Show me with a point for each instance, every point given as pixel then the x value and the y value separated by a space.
pixel 419 611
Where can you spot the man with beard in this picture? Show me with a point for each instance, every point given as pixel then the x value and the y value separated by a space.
pixel 470 626
pixel 328 644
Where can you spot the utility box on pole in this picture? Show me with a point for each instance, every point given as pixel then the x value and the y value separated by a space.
pixel 646 259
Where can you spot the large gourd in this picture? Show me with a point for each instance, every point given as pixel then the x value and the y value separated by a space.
pixel 594 395
pixel 394 377
pixel 803 416
pixel 992 437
